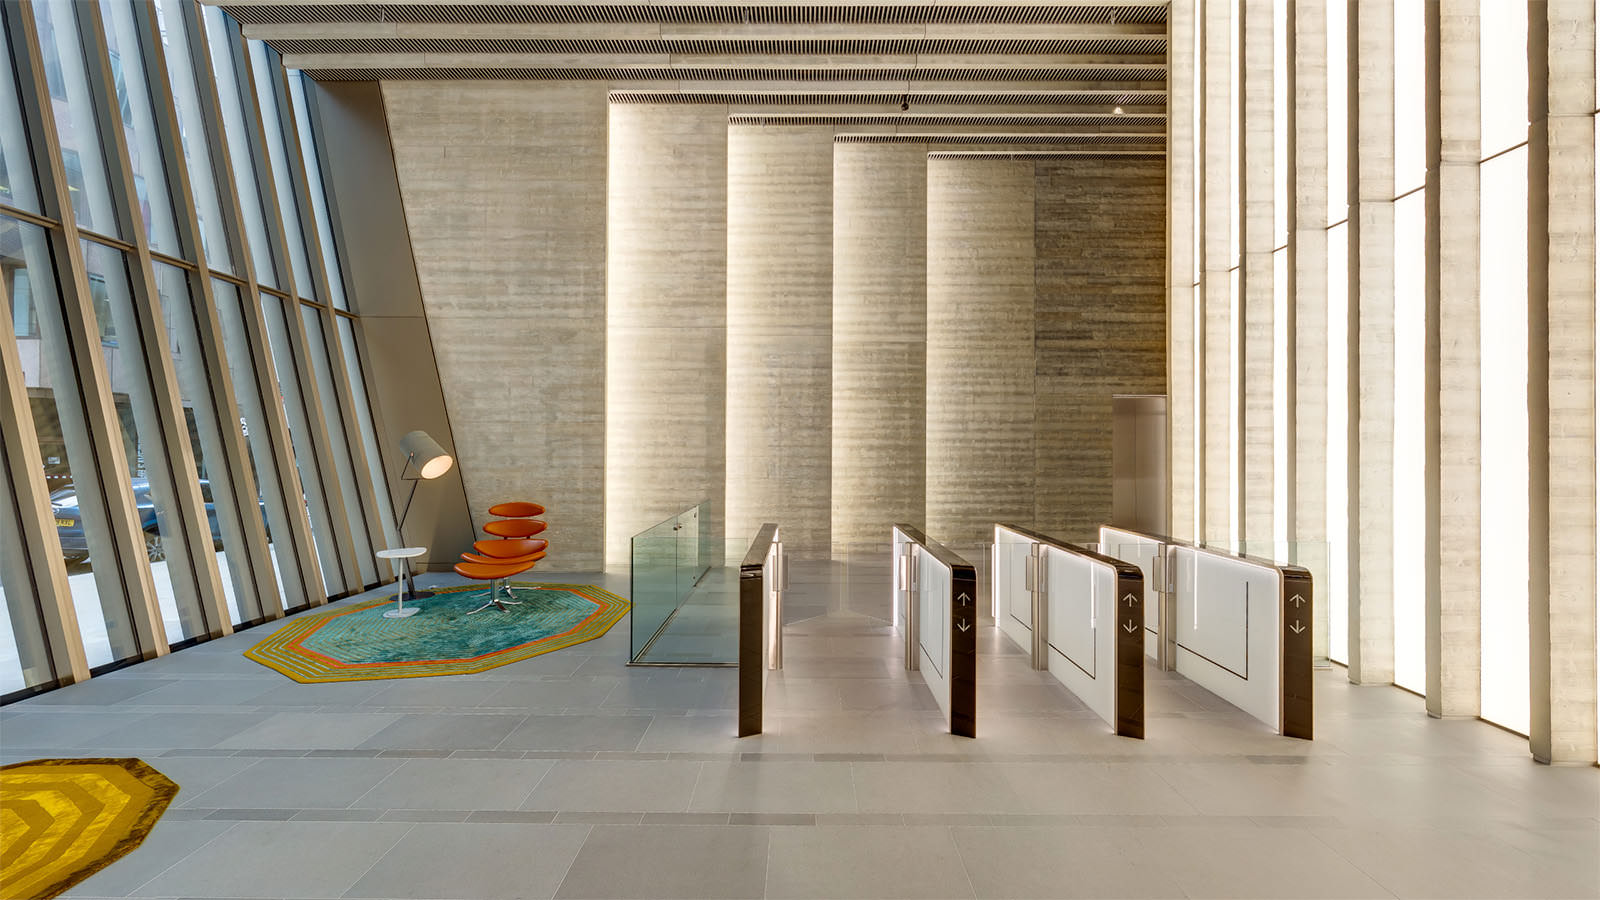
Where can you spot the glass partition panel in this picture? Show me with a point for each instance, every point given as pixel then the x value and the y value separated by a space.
pixel 82 150
pixel 153 488
pixel 685 593
pixel 174 23
pixel 81 524
pixel 139 126
pixel 271 488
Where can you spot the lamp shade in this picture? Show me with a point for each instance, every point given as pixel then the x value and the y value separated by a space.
pixel 425 453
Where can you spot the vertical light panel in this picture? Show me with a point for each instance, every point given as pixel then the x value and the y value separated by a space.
pixel 1504 348
pixel 1331 555
pixel 1337 593
pixel 1281 204
pixel 1503 307
pixel 1409 483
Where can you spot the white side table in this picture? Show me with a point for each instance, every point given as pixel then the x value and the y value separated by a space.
pixel 402 553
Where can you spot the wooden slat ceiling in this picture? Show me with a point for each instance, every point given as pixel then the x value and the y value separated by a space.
pixel 1083 66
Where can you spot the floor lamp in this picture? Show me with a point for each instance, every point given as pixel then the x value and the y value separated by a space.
pixel 429 460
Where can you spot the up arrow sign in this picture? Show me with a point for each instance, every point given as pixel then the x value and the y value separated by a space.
pixel 963 599
pixel 964 626
pixel 1297 600
pixel 1130 599
pixel 1297 627
pixel 1129 627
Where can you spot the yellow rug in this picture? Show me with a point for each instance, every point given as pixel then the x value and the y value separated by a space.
pixel 62 820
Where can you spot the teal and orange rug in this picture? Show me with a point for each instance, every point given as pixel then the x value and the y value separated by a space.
pixel 358 644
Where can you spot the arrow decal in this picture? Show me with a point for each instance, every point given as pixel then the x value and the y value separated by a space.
pixel 1129 627
pixel 963 599
pixel 964 626
pixel 1297 600
pixel 1297 627
pixel 1130 599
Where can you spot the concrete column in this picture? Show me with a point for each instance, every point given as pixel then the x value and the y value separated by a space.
pixel 1310 300
pixel 510 252
pixel 1220 257
pixel 1098 305
pixel 1371 535
pixel 980 454
pixel 666 316
pixel 1260 236
pixel 1561 608
pixel 1182 172
pixel 1453 632
pixel 880 272
pixel 780 325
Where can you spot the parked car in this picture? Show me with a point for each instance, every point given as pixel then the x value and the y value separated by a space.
pixel 75 546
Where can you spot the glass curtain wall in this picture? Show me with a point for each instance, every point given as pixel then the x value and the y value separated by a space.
pixel 1503 361
pixel 167 171
pixel 1410 314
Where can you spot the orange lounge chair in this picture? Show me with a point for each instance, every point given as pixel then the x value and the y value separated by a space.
pixel 496 574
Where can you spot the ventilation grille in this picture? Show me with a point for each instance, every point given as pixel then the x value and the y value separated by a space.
pixel 1084 140
pixel 910 119
pixel 673 73
pixel 1031 155
pixel 517 14
pixel 845 46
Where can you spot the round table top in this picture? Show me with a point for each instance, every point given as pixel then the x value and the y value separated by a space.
pixel 401 552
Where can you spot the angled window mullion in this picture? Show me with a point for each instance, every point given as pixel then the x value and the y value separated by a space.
pixel 244 536
pixel 366 517
pixel 336 523
pixel 276 472
pixel 122 569
pixel 191 562
pixel 36 544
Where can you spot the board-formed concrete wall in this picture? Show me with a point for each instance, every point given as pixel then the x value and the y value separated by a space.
pixel 504 190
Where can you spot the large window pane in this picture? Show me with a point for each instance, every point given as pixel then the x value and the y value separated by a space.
pixel 1503 312
pixel 1410 96
pixel 205 437
pixel 174 23
pixel 264 62
pixel 361 519
pixel 1337 593
pixel 369 432
pixel 153 488
pixel 82 149
pixel 81 521
pixel 270 485
pixel 18 187
pixel 1503 68
pixel 319 197
pixel 223 36
pixel 1410 656
pixel 138 125
pixel 290 393
pixel 24 655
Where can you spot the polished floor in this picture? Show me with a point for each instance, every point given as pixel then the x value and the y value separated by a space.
pixel 571 775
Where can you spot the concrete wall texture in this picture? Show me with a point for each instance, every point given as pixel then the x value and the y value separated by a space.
pixel 639 307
